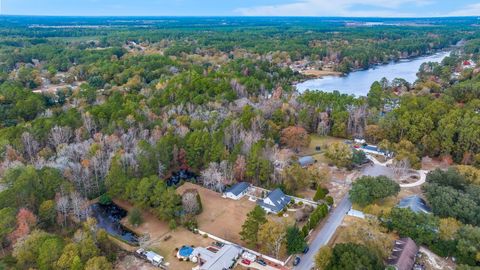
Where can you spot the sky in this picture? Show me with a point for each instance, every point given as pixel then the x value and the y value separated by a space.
pixel 344 8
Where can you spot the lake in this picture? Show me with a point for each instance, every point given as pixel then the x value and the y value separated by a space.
pixel 358 82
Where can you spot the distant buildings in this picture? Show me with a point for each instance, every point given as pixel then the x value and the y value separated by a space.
pixel 275 202
pixel 403 254
pixel 415 203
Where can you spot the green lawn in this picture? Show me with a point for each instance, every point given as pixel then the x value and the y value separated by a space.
pixel 323 142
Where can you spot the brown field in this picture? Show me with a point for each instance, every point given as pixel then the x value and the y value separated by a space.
pixel 221 217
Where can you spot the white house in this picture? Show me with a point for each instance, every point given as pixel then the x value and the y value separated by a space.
pixel 274 202
pixel 237 191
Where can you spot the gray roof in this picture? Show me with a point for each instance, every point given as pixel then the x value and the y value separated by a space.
pixel 305 161
pixel 222 259
pixel 278 198
pixel 403 254
pixel 414 203
pixel 238 188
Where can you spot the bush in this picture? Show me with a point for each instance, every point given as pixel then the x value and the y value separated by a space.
pixel 205 236
pixel 172 224
pixel 320 194
pixel 104 199
pixel 300 203
pixel 329 200
pixel 305 231
pixel 135 217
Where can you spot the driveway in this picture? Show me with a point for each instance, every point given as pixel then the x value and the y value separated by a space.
pixel 334 220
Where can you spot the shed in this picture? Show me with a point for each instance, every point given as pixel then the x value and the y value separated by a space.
pixel 237 191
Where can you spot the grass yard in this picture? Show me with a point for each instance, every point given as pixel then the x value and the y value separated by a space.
pixel 221 217
pixel 323 142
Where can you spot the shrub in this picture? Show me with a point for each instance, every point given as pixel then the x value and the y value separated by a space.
pixel 300 203
pixel 135 217
pixel 329 200
pixel 104 199
pixel 320 194
pixel 305 231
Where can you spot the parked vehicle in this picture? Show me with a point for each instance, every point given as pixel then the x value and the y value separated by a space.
pixel 306 250
pixel 296 261
pixel 246 262
pixel 261 262
pixel 249 256
pixel 150 256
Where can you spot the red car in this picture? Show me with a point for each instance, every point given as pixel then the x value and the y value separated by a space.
pixel 247 262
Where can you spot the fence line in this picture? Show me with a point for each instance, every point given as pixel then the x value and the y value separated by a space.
pixel 216 238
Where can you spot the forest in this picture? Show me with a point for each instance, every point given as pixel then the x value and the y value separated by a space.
pixel 116 108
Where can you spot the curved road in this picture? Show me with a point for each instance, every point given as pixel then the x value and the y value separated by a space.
pixel 334 220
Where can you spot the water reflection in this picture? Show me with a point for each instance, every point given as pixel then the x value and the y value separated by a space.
pixel 108 218
pixel 358 83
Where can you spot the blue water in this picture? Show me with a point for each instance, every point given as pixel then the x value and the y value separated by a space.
pixel 358 82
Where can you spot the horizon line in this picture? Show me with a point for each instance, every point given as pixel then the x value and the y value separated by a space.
pixel 236 16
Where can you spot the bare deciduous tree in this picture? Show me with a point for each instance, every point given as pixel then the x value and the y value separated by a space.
pixel 190 202
pixel 59 135
pixel 212 177
pixel 63 206
pixel 79 206
pixel 31 146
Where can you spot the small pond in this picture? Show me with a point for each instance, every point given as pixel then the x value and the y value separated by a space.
pixel 181 175
pixel 108 218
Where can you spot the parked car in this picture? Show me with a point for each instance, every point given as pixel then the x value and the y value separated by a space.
pixel 246 262
pixel 296 261
pixel 261 262
pixel 306 250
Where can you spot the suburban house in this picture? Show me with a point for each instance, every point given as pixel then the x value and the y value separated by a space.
pixel 306 161
pixel 237 191
pixel 403 254
pixel 415 203
pixel 274 202
pixel 211 258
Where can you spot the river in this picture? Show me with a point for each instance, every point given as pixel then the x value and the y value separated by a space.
pixel 358 82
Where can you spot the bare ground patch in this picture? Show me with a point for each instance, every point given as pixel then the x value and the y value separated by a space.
pixel 220 216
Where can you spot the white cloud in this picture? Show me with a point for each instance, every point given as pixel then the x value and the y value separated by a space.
pixel 470 10
pixel 380 8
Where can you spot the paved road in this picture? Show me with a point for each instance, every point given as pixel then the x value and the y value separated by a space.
pixel 334 220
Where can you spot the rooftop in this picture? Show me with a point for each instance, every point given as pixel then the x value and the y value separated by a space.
pixel 275 201
pixel 307 160
pixel 414 203
pixel 238 188
pixel 403 254
pixel 222 259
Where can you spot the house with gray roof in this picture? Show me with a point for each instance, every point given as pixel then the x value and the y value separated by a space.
pixel 306 161
pixel 237 191
pixel 403 254
pixel 274 202
pixel 415 203
pixel 211 259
